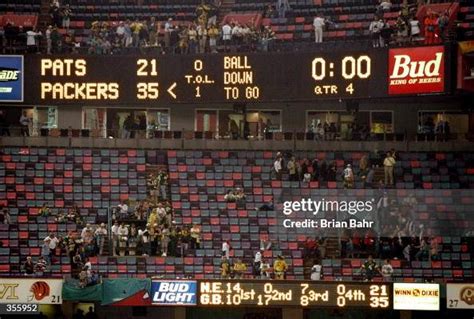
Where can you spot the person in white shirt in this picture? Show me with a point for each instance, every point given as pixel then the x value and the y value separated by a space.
pixel 375 29
pixel 86 229
pixel 226 249
pixel 31 40
pixel 316 271
pixel 100 235
pixel 25 124
pixel 123 210
pixel 257 262
pixel 115 236
pixel 318 24
pixel 387 271
pixel 169 27
pixel 264 270
pixel 123 238
pixel 348 177
pixel 144 237
pixel 415 29
pixel 53 243
pixel 277 166
pixel 226 35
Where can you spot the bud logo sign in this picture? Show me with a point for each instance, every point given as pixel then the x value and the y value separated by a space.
pixel 173 292
pixel 416 70
pixel 11 78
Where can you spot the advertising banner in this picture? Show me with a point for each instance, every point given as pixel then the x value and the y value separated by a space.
pixel 11 78
pixel 173 292
pixel 460 296
pixel 36 291
pixel 414 296
pixel 416 70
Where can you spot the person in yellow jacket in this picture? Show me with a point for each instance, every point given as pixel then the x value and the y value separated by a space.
pixel 280 267
pixel 239 269
pixel 225 268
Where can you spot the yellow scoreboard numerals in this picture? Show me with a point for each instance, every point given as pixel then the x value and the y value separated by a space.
pixel 147 67
pixel 147 91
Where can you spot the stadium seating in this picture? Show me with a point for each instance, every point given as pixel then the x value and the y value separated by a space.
pixel 96 179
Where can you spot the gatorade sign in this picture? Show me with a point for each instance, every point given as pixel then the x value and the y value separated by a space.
pixel 11 78
pixel 416 70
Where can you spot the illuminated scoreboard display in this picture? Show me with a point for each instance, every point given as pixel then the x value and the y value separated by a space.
pixel 294 293
pixel 156 80
pixel 219 78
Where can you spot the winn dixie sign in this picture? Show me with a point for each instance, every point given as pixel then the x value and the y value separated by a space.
pixel 416 70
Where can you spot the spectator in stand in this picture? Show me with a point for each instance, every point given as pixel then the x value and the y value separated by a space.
pixel 282 6
pixel 100 235
pixel 195 233
pixel 202 37
pixel 225 267
pixel 145 240
pixel 213 34
pixel 291 166
pixel 40 266
pixel 402 30
pixel 239 269
pixel 115 237
pixel 415 29
pixel 183 40
pixel 385 5
pixel 388 164
pixel 277 166
pixel 49 43
pixel 316 271
pixel 280 267
pixel 193 38
pixel 46 251
pixel 375 29
pixel 28 266
pixel 430 27
pixel 53 244
pixel 66 13
pixel 369 268
pixel 265 270
pixel 122 238
pixel 44 211
pixel 348 177
pixel 226 249
pixel 257 263
pixel 387 271
pixel 32 42
pixel 169 28
pixel 318 24
pixel 122 210
pixel 443 24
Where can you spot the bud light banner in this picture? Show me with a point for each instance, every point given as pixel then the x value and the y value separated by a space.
pixel 11 78
pixel 417 70
pixel 173 292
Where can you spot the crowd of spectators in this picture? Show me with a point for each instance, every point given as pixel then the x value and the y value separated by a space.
pixel 205 34
pixel 306 170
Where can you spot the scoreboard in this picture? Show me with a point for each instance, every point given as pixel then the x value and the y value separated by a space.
pixel 294 293
pixel 218 78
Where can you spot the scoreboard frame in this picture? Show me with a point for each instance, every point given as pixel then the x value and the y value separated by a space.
pixel 164 80
pixel 299 293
